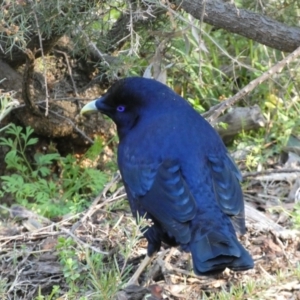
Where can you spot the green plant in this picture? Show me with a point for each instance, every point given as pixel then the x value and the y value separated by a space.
pixel 296 216
pixel 3 287
pixel 36 186
pixel 104 275
pixel 297 271
pixel 53 295
pixel 70 264
pixel 90 270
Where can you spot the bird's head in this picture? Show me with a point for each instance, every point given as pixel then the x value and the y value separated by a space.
pixel 128 101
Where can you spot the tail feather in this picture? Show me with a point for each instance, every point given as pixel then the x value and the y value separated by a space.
pixel 214 252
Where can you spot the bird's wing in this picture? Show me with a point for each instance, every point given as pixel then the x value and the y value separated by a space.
pixel 161 191
pixel 226 180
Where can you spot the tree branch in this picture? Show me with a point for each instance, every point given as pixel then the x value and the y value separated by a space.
pixel 218 109
pixel 246 23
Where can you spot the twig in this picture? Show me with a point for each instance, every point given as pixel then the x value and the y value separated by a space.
pixel 95 206
pixel 215 111
pixel 191 24
pixel 113 197
pixel 279 242
pixel 266 273
pixel 40 233
pixel 28 236
pixel 15 281
pixel 7 105
pixel 28 253
pixel 170 269
pixel 72 124
pixel 94 48
pixel 79 241
pixel 270 172
pixel 133 45
pixel 70 72
pixel 115 180
pixel 43 57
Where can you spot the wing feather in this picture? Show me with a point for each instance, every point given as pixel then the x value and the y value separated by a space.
pixel 161 191
pixel 228 192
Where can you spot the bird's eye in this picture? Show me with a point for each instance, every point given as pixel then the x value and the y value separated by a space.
pixel 120 108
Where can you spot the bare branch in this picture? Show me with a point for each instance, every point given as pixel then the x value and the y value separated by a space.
pixel 218 109
pixel 69 71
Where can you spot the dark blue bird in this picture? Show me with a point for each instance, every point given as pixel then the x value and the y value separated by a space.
pixel 177 172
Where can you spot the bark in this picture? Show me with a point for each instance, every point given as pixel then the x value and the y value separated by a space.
pixel 240 119
pixel 259 28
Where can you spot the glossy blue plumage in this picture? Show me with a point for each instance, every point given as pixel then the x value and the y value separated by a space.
pixel 176 171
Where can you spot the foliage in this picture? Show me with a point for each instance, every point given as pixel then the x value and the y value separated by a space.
pixel 84 268
pixel 85 21
pixel 53 295
pixel 296 216
pixel 35 185
pixel 282 121
pixel 94 271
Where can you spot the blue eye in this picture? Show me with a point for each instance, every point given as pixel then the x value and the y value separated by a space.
pixel 120 108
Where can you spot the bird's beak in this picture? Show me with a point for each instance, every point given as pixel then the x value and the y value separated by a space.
pixel 89 108
pixel 96 105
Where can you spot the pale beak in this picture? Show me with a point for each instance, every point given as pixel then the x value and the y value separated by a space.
pixel 89 108
pixel 96 105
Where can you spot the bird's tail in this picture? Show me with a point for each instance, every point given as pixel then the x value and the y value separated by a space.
pixel 214 252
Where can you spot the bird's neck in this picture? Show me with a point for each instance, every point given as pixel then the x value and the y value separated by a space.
pixel 124 128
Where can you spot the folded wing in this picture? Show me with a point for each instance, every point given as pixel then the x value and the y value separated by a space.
pixel 161 191
pixel 228 192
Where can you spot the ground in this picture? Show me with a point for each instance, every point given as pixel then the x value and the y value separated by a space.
pixel 31 261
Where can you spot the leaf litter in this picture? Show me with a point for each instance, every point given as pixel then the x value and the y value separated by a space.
pixel 29 258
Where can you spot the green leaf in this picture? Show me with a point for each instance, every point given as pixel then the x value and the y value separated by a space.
pixel 14 130
pixel 46 159
pixel 44 171
pixel 11 155
pixel 7 142
pixel 32 141
pixel 28 132
pixel 94 151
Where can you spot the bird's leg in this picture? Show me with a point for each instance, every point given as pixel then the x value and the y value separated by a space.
pixel 134 279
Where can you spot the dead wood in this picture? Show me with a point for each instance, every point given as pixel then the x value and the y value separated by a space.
pixel 239 119
pixel 279 176
pixel 260 220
